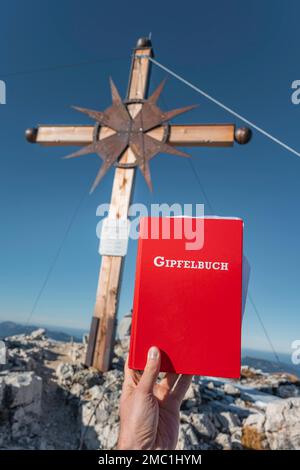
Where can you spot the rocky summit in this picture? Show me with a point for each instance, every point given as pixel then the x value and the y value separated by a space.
pixel 50 400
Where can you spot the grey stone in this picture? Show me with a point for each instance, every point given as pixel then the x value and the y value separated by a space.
pixel 24 388
pixel 21 406
pixel 124 326
pixel 203 425
pixel 109 436
pixel 88 377
pixel 95 392
pixel 191 394
pixel 241 404
pixel 191 436
pixel 103 412
pixel 288 391
pixel 230 421
pixel 26 421
pixel 64 372
pixel 2 390
pixel 89 434
pixel 279 428
pixel 230 389
pixel 188 404
pixel 209 394
pixel 228 399
pixel 183 441
pixel 98 430
pixel 85 339
pixel 282 425
pixel 75 353
pixel 224 441
pixel 37 334
pixel 77 390
pixel 210 386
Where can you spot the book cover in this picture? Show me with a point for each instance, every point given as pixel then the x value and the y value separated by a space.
pixel 188 302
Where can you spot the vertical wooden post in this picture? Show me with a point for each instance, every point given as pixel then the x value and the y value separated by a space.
pixel 102 334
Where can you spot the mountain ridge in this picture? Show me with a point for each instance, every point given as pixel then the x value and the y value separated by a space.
pixel 10 328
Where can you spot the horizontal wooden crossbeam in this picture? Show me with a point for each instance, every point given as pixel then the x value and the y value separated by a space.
pixel 191 135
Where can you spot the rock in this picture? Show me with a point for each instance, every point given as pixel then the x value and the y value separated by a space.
pixel 230 389
pixel 191 394
pixel 282 424
pixel 103 412
pixel 124 327
pixel 3 354
pixel 241 404
pixel 2 388
pixel 109 436
pixel 100 414
pixel 253 434
pixel 203 425
pixel 37 334
pixel 236 436
pixel 191 436
pixel 209 394
pixel 100 426
pixel 24 388
pixel 288 391
pixel 21 405
pixel 89 436
pixel 94 392
pixel 224 441
pixel 187 438
pixel 77 353
pixel 25 421
pixel 64 372
pixel 77 390
pixel 229 421
pixel 257 420
pixel 85 339
pixel 278 429
pixel 88 377
pixel 188 404
pixel 192 397
pixel 228 399
pixel 81 405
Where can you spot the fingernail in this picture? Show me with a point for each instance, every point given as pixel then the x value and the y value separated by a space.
pixel 153 353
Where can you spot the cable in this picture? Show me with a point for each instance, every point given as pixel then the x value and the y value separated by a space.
pixel 56 256
pixel 200 185
pixel 229 110
pixel 263 327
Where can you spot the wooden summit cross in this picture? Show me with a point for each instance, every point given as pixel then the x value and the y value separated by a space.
pixel 128 134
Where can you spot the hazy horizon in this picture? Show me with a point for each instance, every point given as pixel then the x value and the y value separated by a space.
pixel 82 330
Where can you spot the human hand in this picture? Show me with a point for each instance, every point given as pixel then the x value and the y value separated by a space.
pixel 149 411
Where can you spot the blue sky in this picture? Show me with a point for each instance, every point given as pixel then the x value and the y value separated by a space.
pixel 245 56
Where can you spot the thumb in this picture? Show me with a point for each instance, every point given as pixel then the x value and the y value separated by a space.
pixel 151 371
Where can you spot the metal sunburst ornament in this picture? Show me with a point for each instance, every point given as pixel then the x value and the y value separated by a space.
pixel 130 132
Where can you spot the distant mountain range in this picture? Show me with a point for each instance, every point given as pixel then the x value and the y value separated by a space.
pixel 271 366
pixel 9 328
pixel 257 359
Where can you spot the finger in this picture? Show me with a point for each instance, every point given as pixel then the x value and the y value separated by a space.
pixel 131 377
pixel 151 371
pixel 169 380
pixel 182 386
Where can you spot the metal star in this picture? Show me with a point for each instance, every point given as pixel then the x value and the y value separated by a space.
pixel 130 132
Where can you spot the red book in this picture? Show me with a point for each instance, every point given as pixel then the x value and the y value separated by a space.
pixel 188 302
